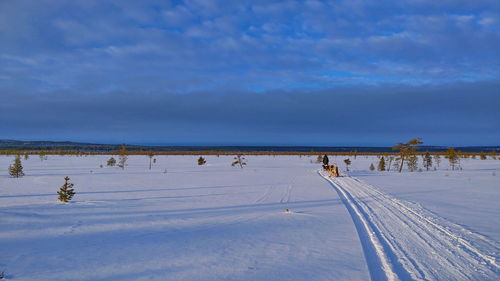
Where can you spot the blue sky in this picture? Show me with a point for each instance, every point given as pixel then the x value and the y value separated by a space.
pixel 251 72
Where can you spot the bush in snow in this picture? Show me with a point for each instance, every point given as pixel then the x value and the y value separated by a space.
pixel 372 168
pixel 66 192
pixel 16 169
pixel 111 162
pixel 201 161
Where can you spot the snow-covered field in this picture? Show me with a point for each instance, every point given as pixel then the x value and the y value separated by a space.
pixel 217 222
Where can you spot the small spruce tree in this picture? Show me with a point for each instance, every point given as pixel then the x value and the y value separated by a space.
pixel 16 169
pixel 201 161
pixel 427 160
pixel 372 168
pixel 111 162
pixel 381 164
pixel 66 192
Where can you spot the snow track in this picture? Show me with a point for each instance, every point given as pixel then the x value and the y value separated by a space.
pixel 404 242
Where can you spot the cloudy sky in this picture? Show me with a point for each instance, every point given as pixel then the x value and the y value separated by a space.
pixel 251 72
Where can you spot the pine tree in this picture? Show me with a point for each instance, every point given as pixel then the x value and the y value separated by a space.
pixel 239 160
pixel 381 164
pixel 16 169
pixel 66 192
pixel 372 168
pixel 347 162
pixel 122 159
pixel 111 162
pixel 201 161
pixel 406 150
pixel 427 160
pixel 452 157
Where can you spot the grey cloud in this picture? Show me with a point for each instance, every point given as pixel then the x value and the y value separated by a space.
pixel 377 115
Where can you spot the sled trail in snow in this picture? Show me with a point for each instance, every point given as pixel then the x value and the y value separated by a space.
pixel 402 241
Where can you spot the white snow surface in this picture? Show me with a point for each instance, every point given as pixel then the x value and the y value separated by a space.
pixel 213 222
pixel 217 222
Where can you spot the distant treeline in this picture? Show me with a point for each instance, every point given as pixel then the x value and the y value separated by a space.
pixel 10 147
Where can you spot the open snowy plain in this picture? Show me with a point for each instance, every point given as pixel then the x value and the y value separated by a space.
pixel 217 222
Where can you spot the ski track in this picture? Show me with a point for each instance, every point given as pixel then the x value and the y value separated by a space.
pixel 402 242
